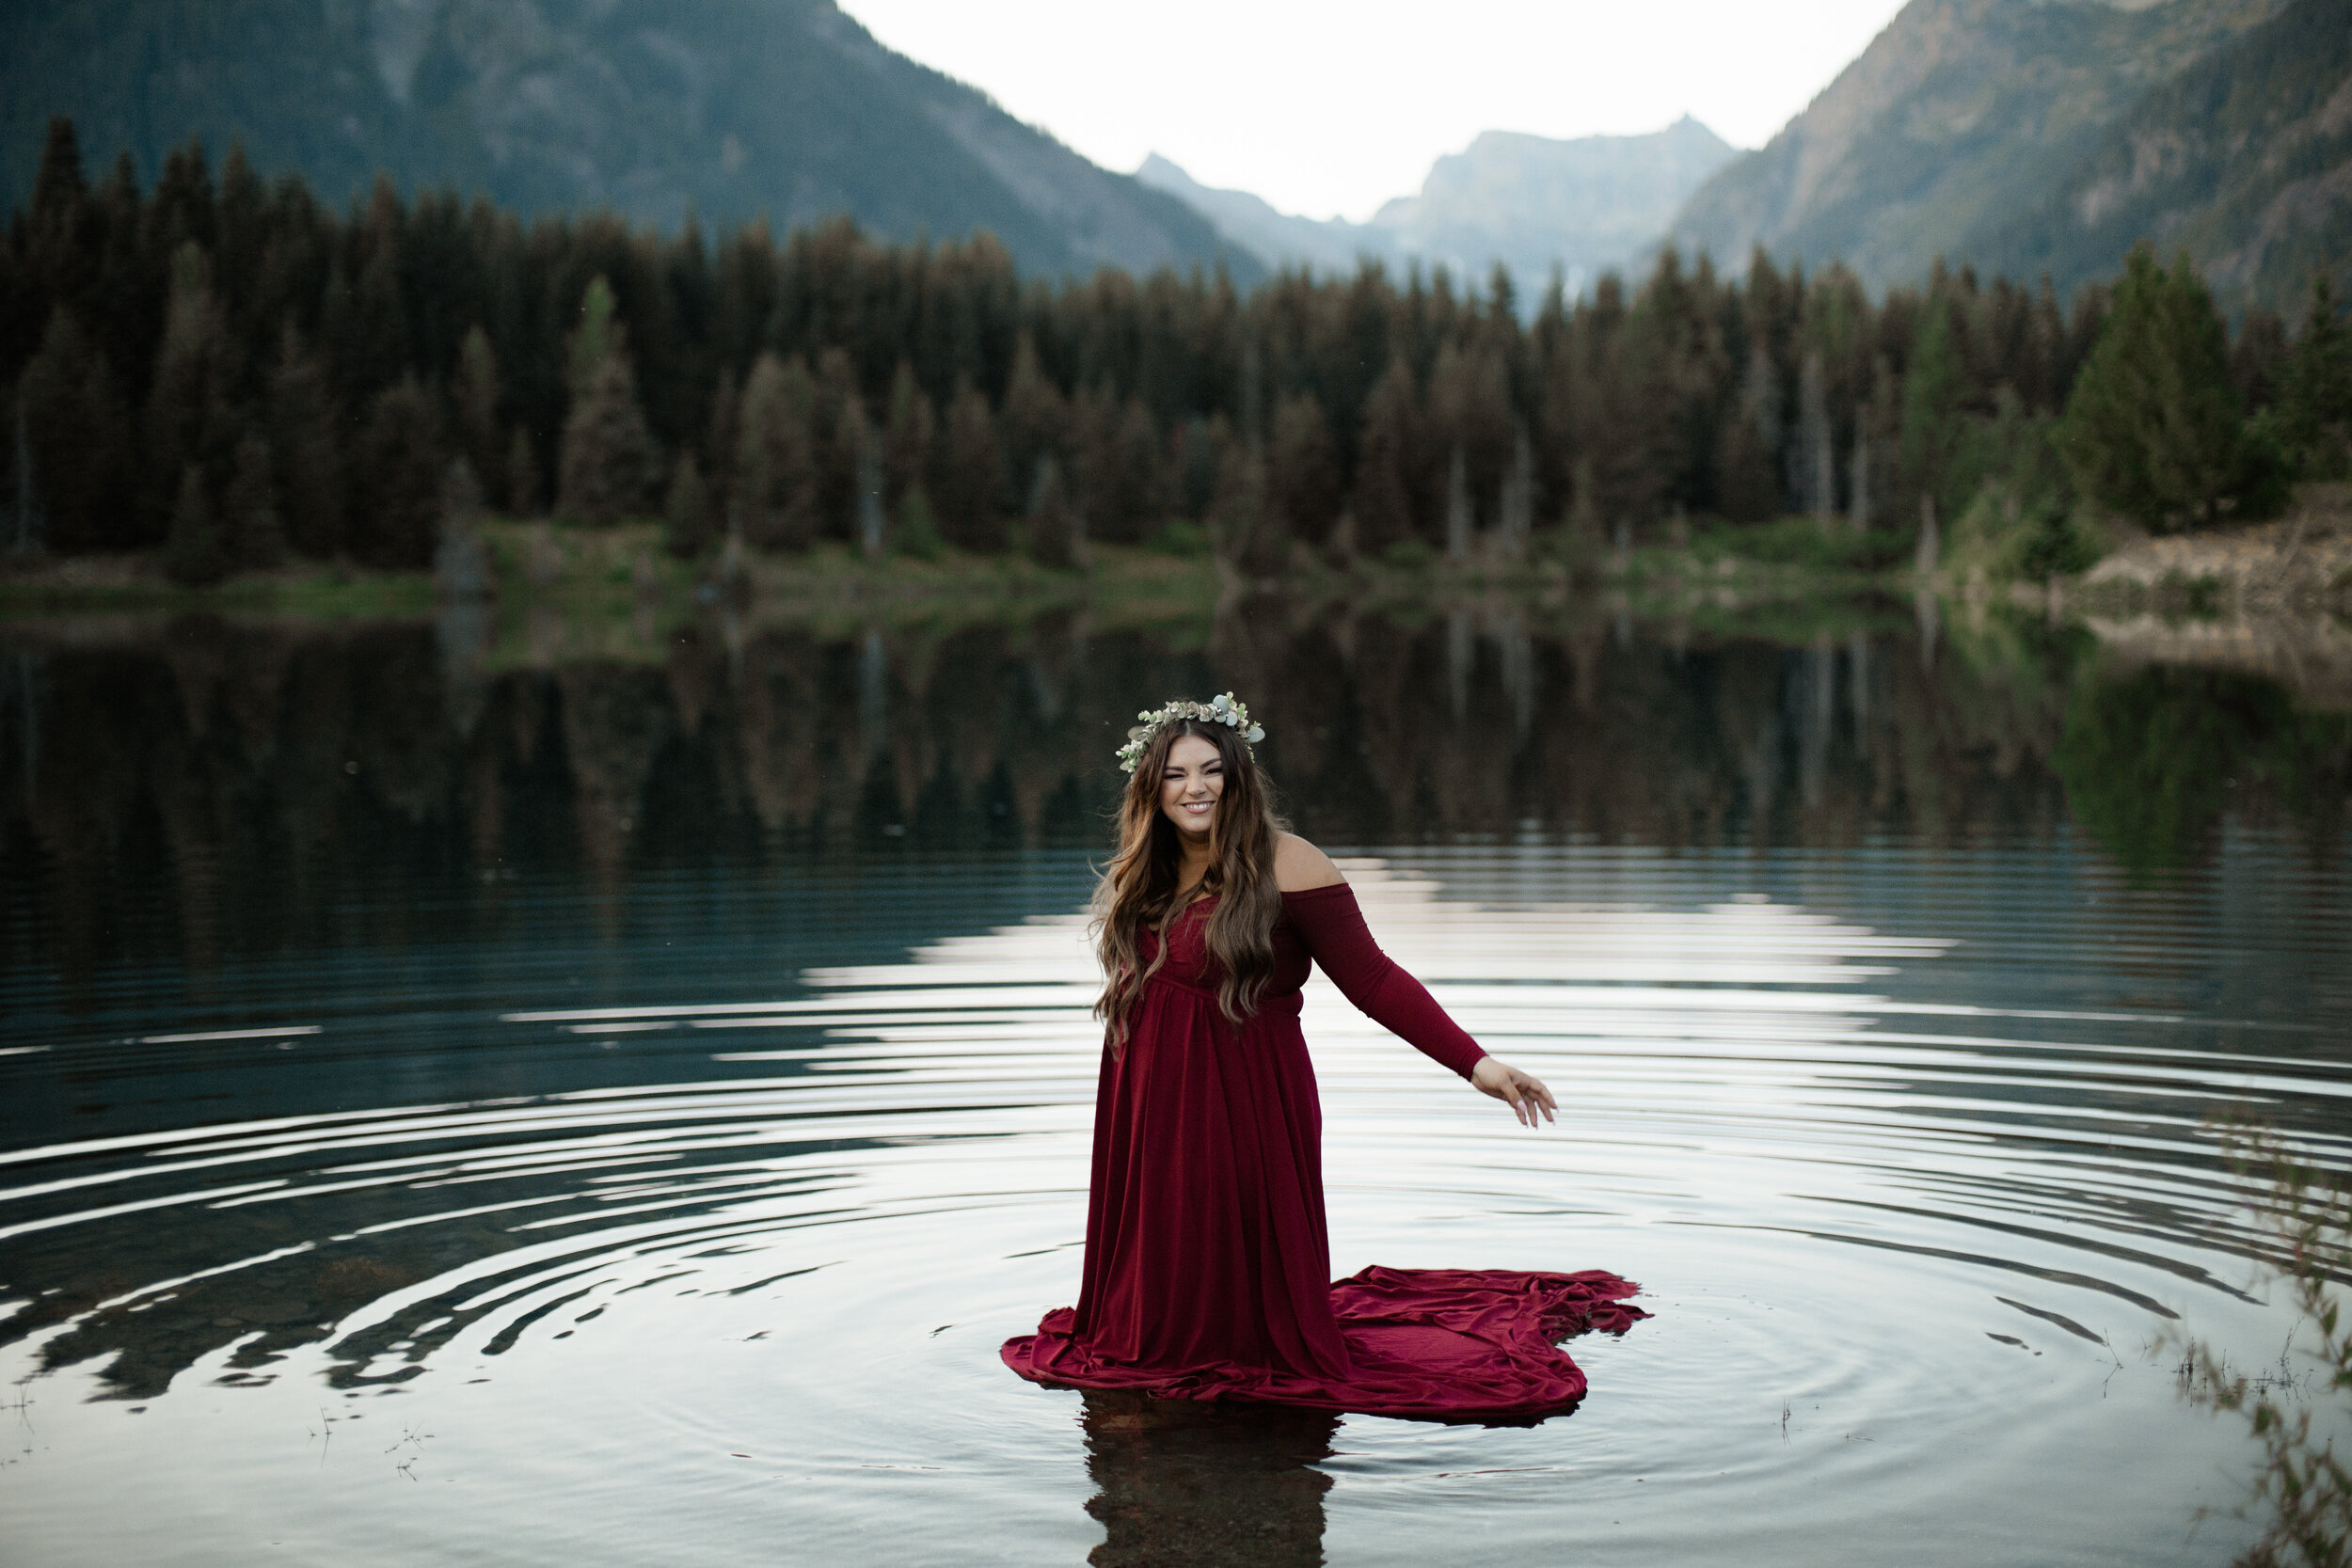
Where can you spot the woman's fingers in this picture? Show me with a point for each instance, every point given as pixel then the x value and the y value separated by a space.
pixel 1541 1096
pixel 1522 1091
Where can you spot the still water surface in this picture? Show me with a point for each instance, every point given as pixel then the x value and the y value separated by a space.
pixel 613 1113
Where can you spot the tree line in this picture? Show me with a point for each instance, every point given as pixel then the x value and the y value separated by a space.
pixel 235 372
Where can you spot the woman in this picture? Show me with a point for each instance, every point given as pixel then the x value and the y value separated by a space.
pixel 1207 1261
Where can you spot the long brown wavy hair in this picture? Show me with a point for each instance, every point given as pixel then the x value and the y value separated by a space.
pixel 1138 887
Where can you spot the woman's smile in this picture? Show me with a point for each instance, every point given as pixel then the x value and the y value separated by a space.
pixel 1191 784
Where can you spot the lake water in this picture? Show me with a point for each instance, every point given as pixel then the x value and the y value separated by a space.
pixel 489 1094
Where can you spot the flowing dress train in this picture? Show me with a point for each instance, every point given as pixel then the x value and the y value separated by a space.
pixel 1207 1271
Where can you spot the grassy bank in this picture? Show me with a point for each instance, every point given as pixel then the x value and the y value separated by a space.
pixel 539 563
pixel 1708 574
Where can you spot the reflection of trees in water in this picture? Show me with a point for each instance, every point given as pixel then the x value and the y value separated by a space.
pixel 1178 1483
pixel 264 777
pixel 2153 760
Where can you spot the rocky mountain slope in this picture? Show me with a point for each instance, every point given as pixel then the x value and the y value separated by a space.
pixel 728 109
pixel 1961 116
pixel 2244 159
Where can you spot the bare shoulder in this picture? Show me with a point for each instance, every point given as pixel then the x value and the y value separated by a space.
pixel 1299 865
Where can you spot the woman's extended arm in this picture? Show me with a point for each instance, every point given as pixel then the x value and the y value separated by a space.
pixel 1332 930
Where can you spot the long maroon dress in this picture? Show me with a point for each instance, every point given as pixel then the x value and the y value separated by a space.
pixel 1208 1262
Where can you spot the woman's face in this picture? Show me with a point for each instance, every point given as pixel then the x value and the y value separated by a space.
pixel 1191 784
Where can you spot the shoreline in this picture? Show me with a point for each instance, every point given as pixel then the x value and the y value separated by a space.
pixel 2297 566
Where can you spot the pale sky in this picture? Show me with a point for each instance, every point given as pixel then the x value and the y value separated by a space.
pixel 1333 107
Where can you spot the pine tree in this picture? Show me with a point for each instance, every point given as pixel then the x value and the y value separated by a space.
pixel 251 528
pixel 686 530
pixel 1251 537
pixel 1468 412
pixel 193 554
pixel 62 239
pixel 1933 385
pixel 1747 482
pixel 608 461
pixel 972 476
pixel 188 414
pixel 525 496
pixel 721 435
pixel 1091 436
pixel 1036 418
pixel 909 436
pixel 397 515
pixel 2315 400
pixel 305 438
pixel 474 393
pixel 595 337
pixel 1303 470
pixel 2154 430
pixel 841 436
pixel 373 351
pixel 77 441
pixel 1057 534
pixel 1136 485
pixel 1387 460
pixel 58 184
pixel 774 489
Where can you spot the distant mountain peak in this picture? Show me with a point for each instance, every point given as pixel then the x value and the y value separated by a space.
pixel 1536 204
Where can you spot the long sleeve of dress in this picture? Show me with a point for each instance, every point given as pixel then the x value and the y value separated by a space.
pixel 1331 928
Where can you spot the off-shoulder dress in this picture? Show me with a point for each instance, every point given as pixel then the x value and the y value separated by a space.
pixel 1207 1272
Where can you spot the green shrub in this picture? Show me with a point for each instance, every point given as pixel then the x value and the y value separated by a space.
pixel 1799 540
pixel 2052 542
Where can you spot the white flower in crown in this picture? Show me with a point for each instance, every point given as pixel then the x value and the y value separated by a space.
pixel 1225 709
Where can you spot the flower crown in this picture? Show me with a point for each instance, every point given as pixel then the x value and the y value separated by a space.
pixel 1227 709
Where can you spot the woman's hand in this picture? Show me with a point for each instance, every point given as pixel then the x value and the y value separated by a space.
pixel 1522 1091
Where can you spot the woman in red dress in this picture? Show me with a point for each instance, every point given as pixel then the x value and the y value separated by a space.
pixel 1207 1272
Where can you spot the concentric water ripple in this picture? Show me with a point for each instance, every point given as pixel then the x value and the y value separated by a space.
pixel 1910 1150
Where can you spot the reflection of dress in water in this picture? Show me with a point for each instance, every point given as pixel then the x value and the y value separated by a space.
pixel 1180 1484
pixel 1207 1260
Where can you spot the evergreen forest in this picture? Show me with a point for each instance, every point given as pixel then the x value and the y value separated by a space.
pixel 237 374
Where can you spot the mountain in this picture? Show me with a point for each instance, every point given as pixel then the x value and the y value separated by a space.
pixel 1959 117
pixel 728 109
pixel 1533 203
pixel 2244 159
pixel 1530 202
pixel 1277 238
